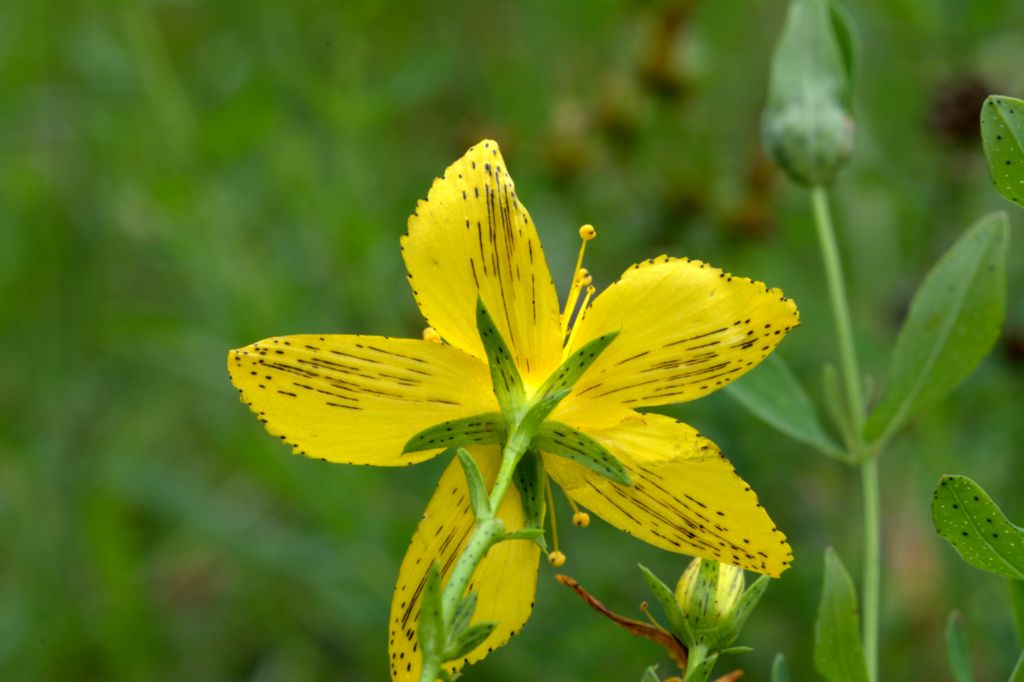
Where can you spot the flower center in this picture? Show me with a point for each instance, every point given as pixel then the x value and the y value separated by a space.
pixel 573 314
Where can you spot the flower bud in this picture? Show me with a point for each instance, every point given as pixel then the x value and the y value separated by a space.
pixel 807 127
pixel 810 140
pixel 713 602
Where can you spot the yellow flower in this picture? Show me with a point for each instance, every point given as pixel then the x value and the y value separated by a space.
pixel 684 330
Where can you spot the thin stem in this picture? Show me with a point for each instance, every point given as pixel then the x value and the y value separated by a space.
pixel 855 417
pixel 872 561
pixel 487 533
pixel 694 663
pixel 840 311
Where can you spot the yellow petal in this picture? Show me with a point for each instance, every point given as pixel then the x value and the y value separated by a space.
pixel 686 330
pixel 472 235
pixel 505 581
pixel 686 497
pixel 357 399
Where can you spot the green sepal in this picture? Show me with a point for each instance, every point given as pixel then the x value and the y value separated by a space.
pixel 969 520
pixel 664 595
pixel 565 441
pixel 480 429
pixel 529 481
pixel 1002 134
pixel 534 534
pixel 780 671
pixel 702 671
pixel 430 629
pixel 540 409
pixel 650 675
pixel 737 618
pixel 700 603
pixel 478 498
pixel 570 371
pixel 736 650
pixel 505 379
pixel 469 639
pixel 463 614
pixel 838 654
pixel 957 652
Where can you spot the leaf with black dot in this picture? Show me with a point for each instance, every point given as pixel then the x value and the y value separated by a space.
pixel 1002 134
pixel 969 520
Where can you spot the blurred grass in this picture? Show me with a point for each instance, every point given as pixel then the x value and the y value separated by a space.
pixel 179 178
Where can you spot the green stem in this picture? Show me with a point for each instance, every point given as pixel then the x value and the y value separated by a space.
pixel 488 532
pixel 855 416
pixel 840 311
pixel 872 562
pixel 1018 670
pixel 695 668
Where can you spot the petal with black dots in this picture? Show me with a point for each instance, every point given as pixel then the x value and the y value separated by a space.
pixel 358 399
pixel 505 581
pixel 685 330
pixel 472 237
pixel 686 496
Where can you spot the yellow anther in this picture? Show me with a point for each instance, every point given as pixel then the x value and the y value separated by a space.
pixel 584 277
pixel 581 519
pixel 430 334
pixel 587 232
pixel 556 559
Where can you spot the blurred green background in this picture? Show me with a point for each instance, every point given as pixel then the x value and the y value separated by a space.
pixel 181 177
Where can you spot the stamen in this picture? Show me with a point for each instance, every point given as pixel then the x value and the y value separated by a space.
pixel 579 319
pixel 580 278
pixel 650 617
pixel 430 334
pixel 555 558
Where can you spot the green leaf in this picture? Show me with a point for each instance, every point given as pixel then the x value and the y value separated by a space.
pixel 807 127
pixel 1016 588
pixel 481 429
pixel 574 366
pixel 507 384
pixel 838 655
pixel 780 671
pixel 736 650
pixel 956 648
pixel 565 441
pixel 668 603
pixel 955 318
pixel 650 675
pixel 471 638
pixel 969 520
pixel 1002 134
pixel 772 394
pixel 430 628
pixel 478 498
